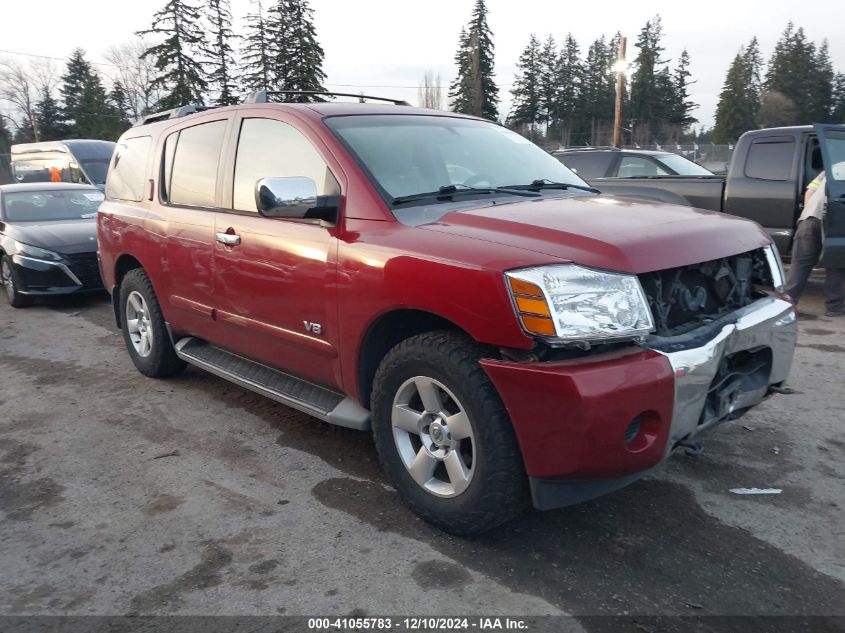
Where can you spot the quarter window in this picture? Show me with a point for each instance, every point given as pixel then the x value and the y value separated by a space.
pixel 191 177
pixel 127 175
pixel 272 149
pixel 770 160
pixel 588 164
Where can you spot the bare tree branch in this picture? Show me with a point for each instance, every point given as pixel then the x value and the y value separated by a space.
pixel 17 86
pixel 136 74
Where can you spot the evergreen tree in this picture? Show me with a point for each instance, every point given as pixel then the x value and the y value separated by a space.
pixel 680 115
pixel 792 72
pixel 837 112
pixel 306 54
pixel 256 62
pixel 527 90
pixel 753 61
pixel 297 57
pixel 822 86
pixel 219 53
pixel 651 85
pixel 474 91
pixel 569 79
pixel 78 73
pixel 86 107
pixel 461 90
pixel 5 136
pixel 50 118
pixel 119 102
pixel 96 118
pixel 549 86
pixel 739 102
pixel 178 55
pixel 5 143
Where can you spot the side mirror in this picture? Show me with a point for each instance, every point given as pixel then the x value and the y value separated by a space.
pixel 294 198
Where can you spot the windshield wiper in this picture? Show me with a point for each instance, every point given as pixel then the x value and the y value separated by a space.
pixel 450 191
pixel 545 183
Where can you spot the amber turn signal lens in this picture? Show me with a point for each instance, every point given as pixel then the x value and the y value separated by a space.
pixel 538 325
pixel 533 306
pixel 520 287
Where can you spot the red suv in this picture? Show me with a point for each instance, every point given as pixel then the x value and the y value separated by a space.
pixel 436 278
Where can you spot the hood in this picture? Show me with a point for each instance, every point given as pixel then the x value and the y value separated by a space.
pixel 63 236
pixel 619 234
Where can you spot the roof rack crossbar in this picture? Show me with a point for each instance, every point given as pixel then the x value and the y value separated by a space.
pixel 175 113
pixel 262 96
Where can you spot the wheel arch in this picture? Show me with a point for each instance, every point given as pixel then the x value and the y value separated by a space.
pixel 388 330
pixel 122 266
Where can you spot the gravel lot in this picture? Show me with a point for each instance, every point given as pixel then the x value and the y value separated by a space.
pixel 125 495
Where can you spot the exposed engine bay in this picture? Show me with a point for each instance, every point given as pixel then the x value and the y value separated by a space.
pixel 682 299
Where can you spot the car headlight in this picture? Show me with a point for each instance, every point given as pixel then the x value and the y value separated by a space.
pixel 576 305
pixel 36 253
pixel 775 267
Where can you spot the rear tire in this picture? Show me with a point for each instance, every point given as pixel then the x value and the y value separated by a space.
pixel 461 469
pixel 11 284
pixel 144 329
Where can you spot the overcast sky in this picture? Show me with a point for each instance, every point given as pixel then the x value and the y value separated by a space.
pixel 384 47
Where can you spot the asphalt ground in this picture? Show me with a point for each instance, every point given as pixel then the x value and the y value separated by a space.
pixel 122 495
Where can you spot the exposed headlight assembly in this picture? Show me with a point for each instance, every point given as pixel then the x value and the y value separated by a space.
pixel 775 267
pixel 571 305
pixel 36 253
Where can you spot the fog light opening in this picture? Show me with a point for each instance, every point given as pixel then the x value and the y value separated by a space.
pixel 633 429
pixel 641 431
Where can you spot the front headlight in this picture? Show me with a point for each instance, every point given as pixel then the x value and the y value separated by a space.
pixel 36 253
pixel 574 304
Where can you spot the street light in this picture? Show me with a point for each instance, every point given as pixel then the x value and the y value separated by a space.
pixel 620 67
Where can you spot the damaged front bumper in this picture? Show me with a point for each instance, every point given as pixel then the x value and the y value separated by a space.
pixel 592 425
pixel 729 366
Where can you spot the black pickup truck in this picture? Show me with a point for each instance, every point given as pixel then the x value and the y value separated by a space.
pixel 765 182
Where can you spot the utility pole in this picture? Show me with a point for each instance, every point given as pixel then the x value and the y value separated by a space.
pixel 619 68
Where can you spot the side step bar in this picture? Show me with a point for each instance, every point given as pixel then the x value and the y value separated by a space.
pixel 322 403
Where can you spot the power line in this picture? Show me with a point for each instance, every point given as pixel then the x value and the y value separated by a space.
pixel 64 59
pixel 57 59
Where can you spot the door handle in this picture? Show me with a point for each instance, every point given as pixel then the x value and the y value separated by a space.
pixel 229 239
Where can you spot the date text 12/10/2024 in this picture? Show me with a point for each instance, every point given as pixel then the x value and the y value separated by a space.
pixel 417 624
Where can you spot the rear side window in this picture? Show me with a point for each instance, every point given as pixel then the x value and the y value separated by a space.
pixel 638 166
pixel 273 149
pixel 191 160
pixel 128 171
pixel 588 165
pixel 770 160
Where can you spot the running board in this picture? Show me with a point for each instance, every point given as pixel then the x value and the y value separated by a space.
pixel 322 403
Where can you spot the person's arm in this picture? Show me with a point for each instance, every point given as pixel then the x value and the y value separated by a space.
pixel 811 188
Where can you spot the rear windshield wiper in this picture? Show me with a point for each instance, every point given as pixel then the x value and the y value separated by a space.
pixel 449 191
pixel 544 183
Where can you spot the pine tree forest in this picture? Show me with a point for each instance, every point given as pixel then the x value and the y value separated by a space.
pixel 562 94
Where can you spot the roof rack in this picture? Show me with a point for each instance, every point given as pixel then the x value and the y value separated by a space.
pixel 262 96
pixel 175 113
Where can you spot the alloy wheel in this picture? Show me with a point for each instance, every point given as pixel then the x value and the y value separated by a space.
pixel 433 436
pixel 8 280
pixel 138 324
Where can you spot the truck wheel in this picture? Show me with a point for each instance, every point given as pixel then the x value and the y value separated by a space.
pixel 11 284
pixel 444 437
pixel 144 331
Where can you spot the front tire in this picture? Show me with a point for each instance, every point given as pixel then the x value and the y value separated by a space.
pixel 444 437
pixel 11 284
pixel 144 329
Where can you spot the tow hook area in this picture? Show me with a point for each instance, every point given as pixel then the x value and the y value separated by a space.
pixel 691 447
